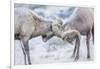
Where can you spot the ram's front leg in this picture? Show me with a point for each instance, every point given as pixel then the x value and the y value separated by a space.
pixel 74 50
pixel 77 46
pixel 24 53
pixel 26 49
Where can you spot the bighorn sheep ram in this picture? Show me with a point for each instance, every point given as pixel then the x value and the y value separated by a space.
pixel 27 25
pixel 82 20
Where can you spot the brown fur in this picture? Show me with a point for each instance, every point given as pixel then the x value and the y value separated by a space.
pixel 82 21
pixel 28 25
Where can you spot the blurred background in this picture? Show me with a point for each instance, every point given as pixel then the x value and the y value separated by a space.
pixel 49 12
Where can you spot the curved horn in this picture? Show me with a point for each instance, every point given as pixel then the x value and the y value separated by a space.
pixel 71 34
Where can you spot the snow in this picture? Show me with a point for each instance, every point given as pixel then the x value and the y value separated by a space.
pixel 54 50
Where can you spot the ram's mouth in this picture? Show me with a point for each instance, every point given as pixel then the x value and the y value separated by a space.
pixel 44 38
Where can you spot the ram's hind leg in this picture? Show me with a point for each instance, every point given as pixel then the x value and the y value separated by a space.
pixel 22 46
pixel 93 33
pixel 88 44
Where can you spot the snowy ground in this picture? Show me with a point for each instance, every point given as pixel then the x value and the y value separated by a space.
pixel 53 51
